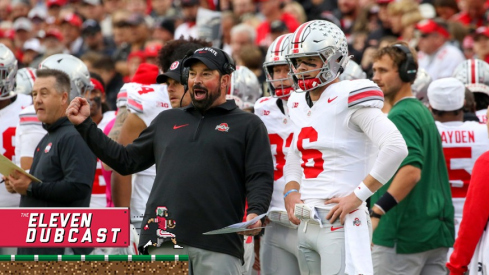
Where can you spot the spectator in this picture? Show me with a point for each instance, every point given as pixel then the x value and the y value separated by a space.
pixel 23 31
pixel 434 49
pixel 251 56
pixel 164 30
pixel 71 30
pixel 32 50
pixel 151 51
pixel 468 47
pixel 419 186
pixel 314 8
pixel 403 16
pixel 188 28
pixel 224 251
pixel 105 67
pixel 241 35
pixel 348 11
pixel 93 40
pixel 446 97
pixel 92 9
pixel 446 9
pixel 139 7
pixel 481 43
pixel 162 9
pixel 19 8
pixel 54 7
pixel 53 44
pixel 228 21
pixel 67 185
pixel 273 10
pixel 278 28
pixel 472 14
pixel 37 16
pixel 296 10
pixel 110 7
pixel 242 7
pixel 374 38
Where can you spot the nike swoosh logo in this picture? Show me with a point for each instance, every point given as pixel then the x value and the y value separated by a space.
pixel 179 126
pixel 331 100
pixel 335 228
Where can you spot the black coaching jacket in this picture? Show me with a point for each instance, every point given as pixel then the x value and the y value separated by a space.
pixel 207 166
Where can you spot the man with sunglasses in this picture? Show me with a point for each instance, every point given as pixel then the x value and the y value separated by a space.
pixel 436 55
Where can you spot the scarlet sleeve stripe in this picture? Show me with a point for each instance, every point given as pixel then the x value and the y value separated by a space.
pixel 365 94
pixel 29 119
pixel 121 95
pixel 133 104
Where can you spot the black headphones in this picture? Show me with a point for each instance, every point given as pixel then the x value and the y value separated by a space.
pixel 407 68
pixel 229 67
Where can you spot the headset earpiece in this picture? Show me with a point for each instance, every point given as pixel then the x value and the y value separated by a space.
pixel 229 67
pixel 408 68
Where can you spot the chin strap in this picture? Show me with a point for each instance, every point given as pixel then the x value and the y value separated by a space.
pixel 308 84
pixel 284 93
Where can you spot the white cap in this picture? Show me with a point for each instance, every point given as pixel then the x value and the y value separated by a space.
pixel 22 23
pixel 33 44
pixel 446 94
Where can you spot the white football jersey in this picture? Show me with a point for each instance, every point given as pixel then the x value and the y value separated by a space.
pixel 335 157
pixel 99 197
pixel 482 115
pixel 145 101
pixel 463 143
pixel 9 119
pixel 442 63
pixel 280 132
pixel 28 134
pixel 122 95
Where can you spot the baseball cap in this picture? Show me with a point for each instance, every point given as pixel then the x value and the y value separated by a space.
pixel 145 74
pixel 433 26
pixel 446 94
pixel 152 50
pixel 166 24
pixel 73 20
pixel 22 23
pixel 32 44
pixel 54 33
pixel 90 26
pixel 173 72
pixel 213 58
pixel 278 26
pixel 380 2
pixel 38 12
pixel 481 31
pixel 59 3
pixel 92 2
pixel 188 3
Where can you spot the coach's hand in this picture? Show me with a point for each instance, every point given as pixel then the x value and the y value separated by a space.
pixel 19 182
pixel 344 206
pixel 256 225
pixel 78 110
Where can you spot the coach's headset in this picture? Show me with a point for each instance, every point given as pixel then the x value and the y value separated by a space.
pixel 407 68
pixel 228 68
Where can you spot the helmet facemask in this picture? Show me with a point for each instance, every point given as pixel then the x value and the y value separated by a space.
pixel 7 80
pixel 276 86
pixel 333 64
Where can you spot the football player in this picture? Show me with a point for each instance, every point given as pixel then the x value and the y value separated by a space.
pixel 278 248
pixel 344 149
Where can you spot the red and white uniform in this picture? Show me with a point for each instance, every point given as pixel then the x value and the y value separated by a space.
pixel 463 143
pixel 145 101
pixel 9 119
pixel 442 63
pixel 482 115
pixel 99 198
pixel 280 132
pixel 29 133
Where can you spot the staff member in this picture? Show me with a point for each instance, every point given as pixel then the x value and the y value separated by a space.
pixel 210 157
pixel 61 161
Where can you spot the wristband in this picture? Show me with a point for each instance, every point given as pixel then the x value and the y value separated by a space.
pixel 362 192
pixel 290 191
pixel 386 202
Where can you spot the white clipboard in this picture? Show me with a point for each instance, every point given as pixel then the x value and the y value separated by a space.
pixel 237 227
pixel 7 167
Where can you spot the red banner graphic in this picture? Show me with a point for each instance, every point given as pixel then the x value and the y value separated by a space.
pixel 64 227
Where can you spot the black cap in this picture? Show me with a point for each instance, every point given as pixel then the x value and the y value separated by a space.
pixel 167 24
pixel 278 26
pixel 173 72
pixel 189 3
pixel 213 58
pixel 90 26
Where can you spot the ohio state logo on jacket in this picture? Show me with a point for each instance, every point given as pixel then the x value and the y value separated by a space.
pixel 223 127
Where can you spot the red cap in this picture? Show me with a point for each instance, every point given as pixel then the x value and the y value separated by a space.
pixel 97 85
pixel 139 54
pixel 54 33
pixel 73 20
pixel 50 3
pixel 482 31
pixel 152 50
pixel 146 74
pixel 7 34
pixel 380 2
pixel 430 26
